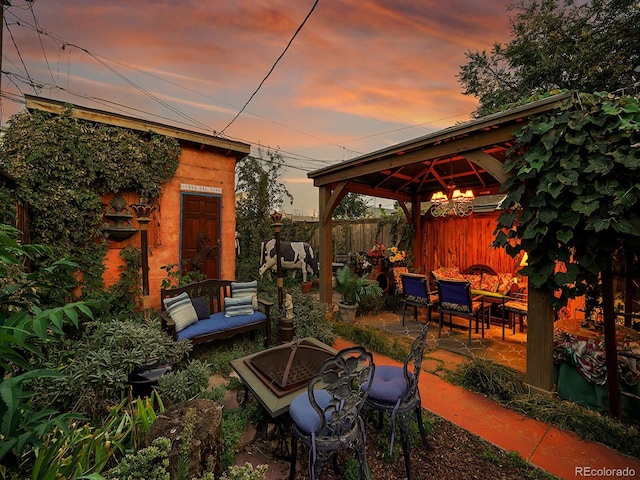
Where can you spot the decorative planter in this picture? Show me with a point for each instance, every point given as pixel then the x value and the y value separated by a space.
pixel 286 329
pixel 306 287
pixel 347 312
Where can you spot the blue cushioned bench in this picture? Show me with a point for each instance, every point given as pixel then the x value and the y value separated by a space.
pixel 212 323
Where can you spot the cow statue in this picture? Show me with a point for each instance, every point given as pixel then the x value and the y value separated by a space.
pixel 294 255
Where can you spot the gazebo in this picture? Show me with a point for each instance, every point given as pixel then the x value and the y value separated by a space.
pixel 472 156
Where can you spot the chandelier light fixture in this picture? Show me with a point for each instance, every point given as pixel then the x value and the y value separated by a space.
pixel 454 202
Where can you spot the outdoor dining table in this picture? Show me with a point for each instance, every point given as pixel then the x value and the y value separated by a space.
pixel 580 365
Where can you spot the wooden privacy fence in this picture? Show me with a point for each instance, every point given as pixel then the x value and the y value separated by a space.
pixel 353 235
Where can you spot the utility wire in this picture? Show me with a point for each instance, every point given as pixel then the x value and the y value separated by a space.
pixel 39 30
pixel 272 67
pixel 18 52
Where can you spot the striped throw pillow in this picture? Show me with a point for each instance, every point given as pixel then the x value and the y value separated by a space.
pixel 235 307
pixel 246 289
pixel 181 311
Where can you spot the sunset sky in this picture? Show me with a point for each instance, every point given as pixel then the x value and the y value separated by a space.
pixel 359 76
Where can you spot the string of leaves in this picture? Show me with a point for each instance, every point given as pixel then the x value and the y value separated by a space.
pixel 573 198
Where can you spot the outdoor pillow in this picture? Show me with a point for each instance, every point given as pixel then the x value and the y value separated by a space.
pixel 489 283
pixel 202 307
pixel 246 289
pixel 181 311
pixel 474 280
pixel 504 283
pixel 448 273
pixel 234 307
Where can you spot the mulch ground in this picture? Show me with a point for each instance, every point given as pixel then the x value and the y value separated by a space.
pixel 457 454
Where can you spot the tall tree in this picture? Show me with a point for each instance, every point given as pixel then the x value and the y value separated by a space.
pixel 351 206
pixel 260 192
pixel 571 45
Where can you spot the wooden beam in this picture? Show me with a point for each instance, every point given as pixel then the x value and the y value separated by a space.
pixel 491 164
pixel 377 192
pixel 337 195
pixel 428 152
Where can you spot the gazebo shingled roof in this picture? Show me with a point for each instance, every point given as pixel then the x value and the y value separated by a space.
pixel 471 153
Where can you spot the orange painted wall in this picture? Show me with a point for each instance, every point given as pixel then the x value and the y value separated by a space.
pixel 206 167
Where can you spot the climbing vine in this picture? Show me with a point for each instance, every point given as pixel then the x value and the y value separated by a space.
pixel 64 165
pixel 574 195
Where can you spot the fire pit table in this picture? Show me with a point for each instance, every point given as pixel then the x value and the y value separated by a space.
pixel 277 375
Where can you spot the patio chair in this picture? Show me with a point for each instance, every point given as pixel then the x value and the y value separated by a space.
pixel 455 299
pixel 514 307
pixel 326 418
pixel 416 294
pixel 395 392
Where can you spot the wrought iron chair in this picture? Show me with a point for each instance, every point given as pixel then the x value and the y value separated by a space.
pixel 455 299
pixel 327 417
pixel 416 294
pixel 395 392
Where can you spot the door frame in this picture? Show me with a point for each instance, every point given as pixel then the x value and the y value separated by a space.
pixel 219 240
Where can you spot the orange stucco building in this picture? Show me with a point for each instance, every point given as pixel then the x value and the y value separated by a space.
pixel 194 221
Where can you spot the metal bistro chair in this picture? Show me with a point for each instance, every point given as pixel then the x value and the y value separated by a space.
pixel 327 417
pixel 416 294
pixel 395 392
pixel 455 299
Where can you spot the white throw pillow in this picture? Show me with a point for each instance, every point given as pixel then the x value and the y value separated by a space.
pixel 235 307
pixel 181 311
pixel 246 289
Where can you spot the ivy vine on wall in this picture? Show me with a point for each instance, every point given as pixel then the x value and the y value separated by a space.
pixel 64 165
pixel 574 196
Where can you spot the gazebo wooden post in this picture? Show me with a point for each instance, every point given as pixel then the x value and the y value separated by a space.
pixel 540 319
pixel 611 353
pixel 417 240
pixel 325 254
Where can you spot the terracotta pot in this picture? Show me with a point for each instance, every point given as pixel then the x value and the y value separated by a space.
pixel 306 287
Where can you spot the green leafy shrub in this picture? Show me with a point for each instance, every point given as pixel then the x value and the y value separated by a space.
pixel 187 383
pixel 311 319
pixel 244 472
pixel 97 366
pixel 79 449
pixel 149 463
pixel 178 277
pixel 25 331
pixel 370 302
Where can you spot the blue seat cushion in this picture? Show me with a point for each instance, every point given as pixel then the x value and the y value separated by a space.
pixel 218 322
pixel 389 384
pixel 304 415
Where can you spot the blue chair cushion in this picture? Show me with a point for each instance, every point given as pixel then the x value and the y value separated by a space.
pixel 219 322
pixel 389 384
pixel 304 415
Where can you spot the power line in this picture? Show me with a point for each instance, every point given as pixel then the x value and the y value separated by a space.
pixel 13 40
pixel 272 67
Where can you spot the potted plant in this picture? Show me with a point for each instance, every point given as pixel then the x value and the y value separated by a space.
pixel 351 286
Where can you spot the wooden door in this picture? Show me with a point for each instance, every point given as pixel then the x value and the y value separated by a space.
pixel 201 236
